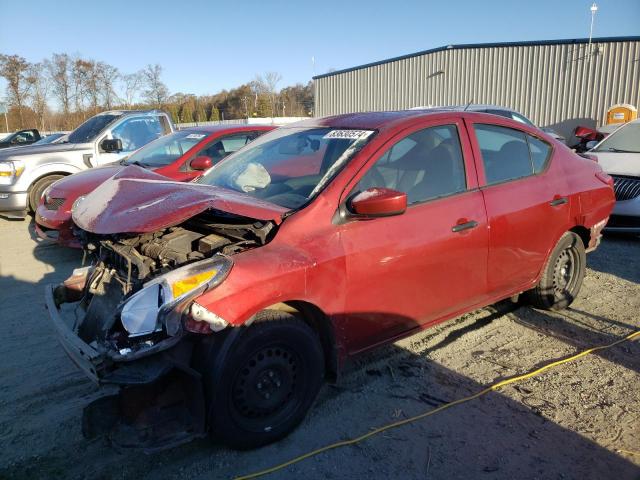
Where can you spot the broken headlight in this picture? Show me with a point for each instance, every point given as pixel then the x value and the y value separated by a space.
pixel 162 301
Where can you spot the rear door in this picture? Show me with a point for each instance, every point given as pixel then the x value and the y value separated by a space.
pixel 413 269
pixel 527 202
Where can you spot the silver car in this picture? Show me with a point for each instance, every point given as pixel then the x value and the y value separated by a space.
pixel 619 156
pixel 26 172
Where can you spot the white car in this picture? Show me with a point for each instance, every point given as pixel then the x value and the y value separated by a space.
pixel 619 156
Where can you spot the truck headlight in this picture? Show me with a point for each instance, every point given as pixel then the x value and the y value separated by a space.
pixel 10 171
pixel 163 300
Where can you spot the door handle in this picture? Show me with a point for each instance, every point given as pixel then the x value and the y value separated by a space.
pixel 464 226
pixel 558 201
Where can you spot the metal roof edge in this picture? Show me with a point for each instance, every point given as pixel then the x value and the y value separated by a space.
pixel 463 46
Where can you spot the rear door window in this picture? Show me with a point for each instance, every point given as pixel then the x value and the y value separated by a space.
pixel 505 153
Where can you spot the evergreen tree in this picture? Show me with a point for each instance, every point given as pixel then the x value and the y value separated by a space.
pixel 173 111
pixel 187 113
pixel 201 115
pixel 264 107
pixel 215 114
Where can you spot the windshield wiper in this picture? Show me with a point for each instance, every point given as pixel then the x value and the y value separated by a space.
pixel 619 150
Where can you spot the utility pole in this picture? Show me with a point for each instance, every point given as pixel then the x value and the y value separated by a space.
pixel 594 9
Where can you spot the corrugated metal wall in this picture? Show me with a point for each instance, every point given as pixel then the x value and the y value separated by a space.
pixel 553 84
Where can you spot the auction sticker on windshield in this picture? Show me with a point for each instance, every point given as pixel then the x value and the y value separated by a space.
pixel 195 135
pixel 349 134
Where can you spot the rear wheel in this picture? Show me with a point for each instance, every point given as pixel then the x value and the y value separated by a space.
pixel 266 384
pixel 38 189
pixel 562 275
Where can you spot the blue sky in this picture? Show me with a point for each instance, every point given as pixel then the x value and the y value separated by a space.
pixel 205 46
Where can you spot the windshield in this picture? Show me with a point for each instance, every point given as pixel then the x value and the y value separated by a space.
pixel 91 128
pixel 625 140
pixel 166 150
pixel 288 166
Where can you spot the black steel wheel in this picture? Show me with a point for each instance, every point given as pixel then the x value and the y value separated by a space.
pixel 266 383
pixel 562 276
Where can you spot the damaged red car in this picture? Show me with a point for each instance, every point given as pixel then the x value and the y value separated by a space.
pixel 184 156
pixel 220 307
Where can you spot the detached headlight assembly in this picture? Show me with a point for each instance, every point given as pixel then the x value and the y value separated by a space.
pixel 163 300
pixel 10 171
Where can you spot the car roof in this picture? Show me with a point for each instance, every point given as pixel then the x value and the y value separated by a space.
pixel 390 119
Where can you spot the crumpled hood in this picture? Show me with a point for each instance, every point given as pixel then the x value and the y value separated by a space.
pixel 619 163
pixel 82 182
pixel 136 200
pixel 41 149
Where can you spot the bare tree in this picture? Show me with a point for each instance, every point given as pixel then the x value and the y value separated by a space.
pixel 15 70
pixel 109 75
pixel 132 84
pixel 39 92
pixel 79 73
pixel 59 68
pixel 267 84
pixel 156 92
pixel 90 72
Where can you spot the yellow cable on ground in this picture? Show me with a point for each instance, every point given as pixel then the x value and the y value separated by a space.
pixel 490 388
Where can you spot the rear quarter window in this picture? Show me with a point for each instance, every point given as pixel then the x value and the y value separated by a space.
pixel 540 153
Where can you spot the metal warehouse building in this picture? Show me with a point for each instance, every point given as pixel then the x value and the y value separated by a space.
pixel 556 83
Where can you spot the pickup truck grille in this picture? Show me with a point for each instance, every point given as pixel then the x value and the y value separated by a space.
pixel 626 188
pixel 53 203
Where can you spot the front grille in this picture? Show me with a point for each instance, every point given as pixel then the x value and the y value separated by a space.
pixel 626 188
pixel 53 203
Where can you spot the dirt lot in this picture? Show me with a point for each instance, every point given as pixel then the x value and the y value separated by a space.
pixel 569 423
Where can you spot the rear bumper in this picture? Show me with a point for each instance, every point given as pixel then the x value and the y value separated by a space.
pixel 139 367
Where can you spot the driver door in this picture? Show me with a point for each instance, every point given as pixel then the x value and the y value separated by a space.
pixel 416 268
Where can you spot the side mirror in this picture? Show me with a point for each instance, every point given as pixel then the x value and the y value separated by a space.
pixel 201 163
pixel 591 144
pixel 379 202
pixel 111 145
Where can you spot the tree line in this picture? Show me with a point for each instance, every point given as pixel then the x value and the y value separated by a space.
pixel 80 87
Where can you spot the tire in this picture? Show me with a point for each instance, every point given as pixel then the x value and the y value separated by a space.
pixel 562 275
pixel 264 386
pixel 38 188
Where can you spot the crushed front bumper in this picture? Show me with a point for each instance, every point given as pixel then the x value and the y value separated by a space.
pixel 103 366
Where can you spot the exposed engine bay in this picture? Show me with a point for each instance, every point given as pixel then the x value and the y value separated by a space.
pixel 139 258
pixel 123 264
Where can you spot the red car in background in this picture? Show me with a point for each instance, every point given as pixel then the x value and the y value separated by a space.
pixel 222 306
pixel 181 156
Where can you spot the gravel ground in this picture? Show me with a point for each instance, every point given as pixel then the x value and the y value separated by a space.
pixel 571 422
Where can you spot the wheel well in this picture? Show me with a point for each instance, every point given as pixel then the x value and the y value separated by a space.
pixel 64 174
pixel 323 327
pixel 584 234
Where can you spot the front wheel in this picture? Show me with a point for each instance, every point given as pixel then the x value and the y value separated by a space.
pixel 267 382
pixel 562 276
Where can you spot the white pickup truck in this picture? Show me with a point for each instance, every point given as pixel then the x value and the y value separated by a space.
pixel 26 172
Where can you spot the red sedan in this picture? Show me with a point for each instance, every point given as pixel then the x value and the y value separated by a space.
pixel 234 298
pixel 181 156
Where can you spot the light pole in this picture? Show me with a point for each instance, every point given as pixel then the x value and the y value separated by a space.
pixel 594 9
